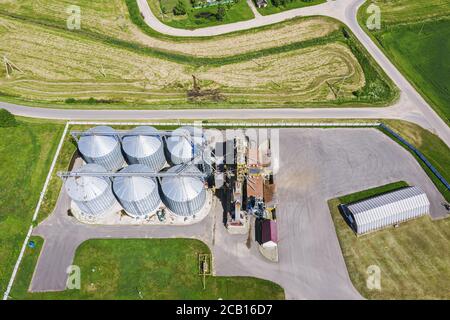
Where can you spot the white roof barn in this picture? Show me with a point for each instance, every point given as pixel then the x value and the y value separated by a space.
pixel 387 209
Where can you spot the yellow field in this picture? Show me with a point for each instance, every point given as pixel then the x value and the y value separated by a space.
pixel 56 65
pixel 111 17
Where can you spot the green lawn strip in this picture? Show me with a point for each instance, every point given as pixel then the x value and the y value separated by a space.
pixel 292 4
pixel 379 87
pixel 145 268
pixel 411 257
pixel 234 12
pixel 362 195
pixel 430 145
pixel 417 43
pixel 26 152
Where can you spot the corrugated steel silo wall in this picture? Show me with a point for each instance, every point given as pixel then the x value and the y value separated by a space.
pixel 155 161
pixel 187 208
pixel 98 205
pixel 143 206
pixel 113 161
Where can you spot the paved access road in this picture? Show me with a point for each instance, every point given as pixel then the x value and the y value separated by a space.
pixel 344 10
pixel 316 165
pixel 411 106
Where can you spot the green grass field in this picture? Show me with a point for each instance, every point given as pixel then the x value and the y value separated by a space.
pixel 193 19
pixel 26 152
pixel 271 9
pixel 157 268
pixel 412 258
pixel 416 37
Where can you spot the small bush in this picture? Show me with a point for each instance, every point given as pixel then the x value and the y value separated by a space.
pixel 179 9
pixel 7 119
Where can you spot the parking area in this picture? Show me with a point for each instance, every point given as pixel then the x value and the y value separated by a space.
pixel 315 165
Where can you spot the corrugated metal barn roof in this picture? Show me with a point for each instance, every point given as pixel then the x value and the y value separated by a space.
pixel 389 209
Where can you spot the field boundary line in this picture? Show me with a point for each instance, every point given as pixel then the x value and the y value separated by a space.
pixel 36 211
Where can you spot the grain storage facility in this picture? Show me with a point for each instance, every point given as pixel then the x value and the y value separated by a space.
pixel 138 195
pixel 140 146
pixel 92 195
pixel 386 210
pixel 101 149
pixel 184 196
pixel 184 144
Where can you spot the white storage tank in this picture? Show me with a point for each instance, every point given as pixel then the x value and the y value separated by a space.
pixel 184 196
pixel 92 195
pixel 101 149
pixel 140 147
pixel 184 144
pixel 138 195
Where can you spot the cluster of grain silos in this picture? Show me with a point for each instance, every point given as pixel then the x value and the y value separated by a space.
pixel 105 150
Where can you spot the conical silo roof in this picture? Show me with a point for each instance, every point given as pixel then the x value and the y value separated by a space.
pixel 184 148
pixel 182 189
pixel 86 188
pixel 97 145
pixel 141 147
pixel 134 188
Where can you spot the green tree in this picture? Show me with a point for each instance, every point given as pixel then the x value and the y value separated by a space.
pixel 220 13
pixel 7 119
pixel 179 9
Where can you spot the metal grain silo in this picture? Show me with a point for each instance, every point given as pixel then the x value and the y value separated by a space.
pixel 142 148
pixel 138 195
pixel 184 144
pixel 184 196
pixel 102 149
pixel 92 195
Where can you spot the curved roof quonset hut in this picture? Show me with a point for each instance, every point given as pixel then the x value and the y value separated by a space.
pixel 92 195
pixel 140 147
pixel 184 196
pixel 138 195
pixel 101 149
pixel 387 209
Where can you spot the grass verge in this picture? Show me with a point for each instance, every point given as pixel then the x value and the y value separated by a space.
pixel 145 269
pixel 411 257
pixel 26 153
pixel 290 4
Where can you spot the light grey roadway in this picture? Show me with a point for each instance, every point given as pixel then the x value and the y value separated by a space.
pixel 411 106
pixel 316 165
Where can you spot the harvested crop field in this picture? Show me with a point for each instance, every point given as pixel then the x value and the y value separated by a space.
pixel 56 66
pixel 112 62
pixel 111 18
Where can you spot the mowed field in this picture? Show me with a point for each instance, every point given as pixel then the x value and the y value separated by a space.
pixel 301 62
pixel 416 37
pixel 26 152
pixel 146 269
